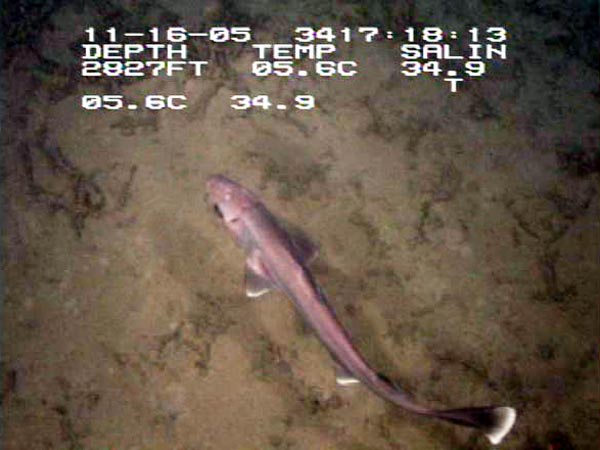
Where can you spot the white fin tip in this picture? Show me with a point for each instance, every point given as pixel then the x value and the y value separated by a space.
pixel 256 294
pixel 346 381
pixel 506 419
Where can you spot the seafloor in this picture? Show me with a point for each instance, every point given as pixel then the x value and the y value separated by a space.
pixel 458 233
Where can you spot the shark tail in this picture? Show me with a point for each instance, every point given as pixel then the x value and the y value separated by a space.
pixel 494 421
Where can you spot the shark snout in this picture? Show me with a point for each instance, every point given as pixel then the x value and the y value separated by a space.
pixel 210 184
pixel 216 182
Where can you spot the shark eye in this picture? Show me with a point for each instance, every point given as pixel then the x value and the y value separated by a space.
pixel 218 211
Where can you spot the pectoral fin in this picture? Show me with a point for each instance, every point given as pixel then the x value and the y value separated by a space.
pixel 305 248
pixel 256 277
pixel 256 284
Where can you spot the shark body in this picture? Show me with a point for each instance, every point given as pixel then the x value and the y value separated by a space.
pixel 278 260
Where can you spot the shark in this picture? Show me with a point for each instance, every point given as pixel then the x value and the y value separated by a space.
pixel 278 259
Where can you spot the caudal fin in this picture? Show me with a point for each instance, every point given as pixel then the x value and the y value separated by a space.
pixel 494 421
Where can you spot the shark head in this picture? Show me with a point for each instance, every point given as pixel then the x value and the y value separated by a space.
pixel 229 199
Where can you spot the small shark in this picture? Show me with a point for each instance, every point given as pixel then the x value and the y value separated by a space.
pixel 277 259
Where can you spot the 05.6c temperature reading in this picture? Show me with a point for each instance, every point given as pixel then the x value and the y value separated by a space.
pixel 116 102
pixel 242 102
